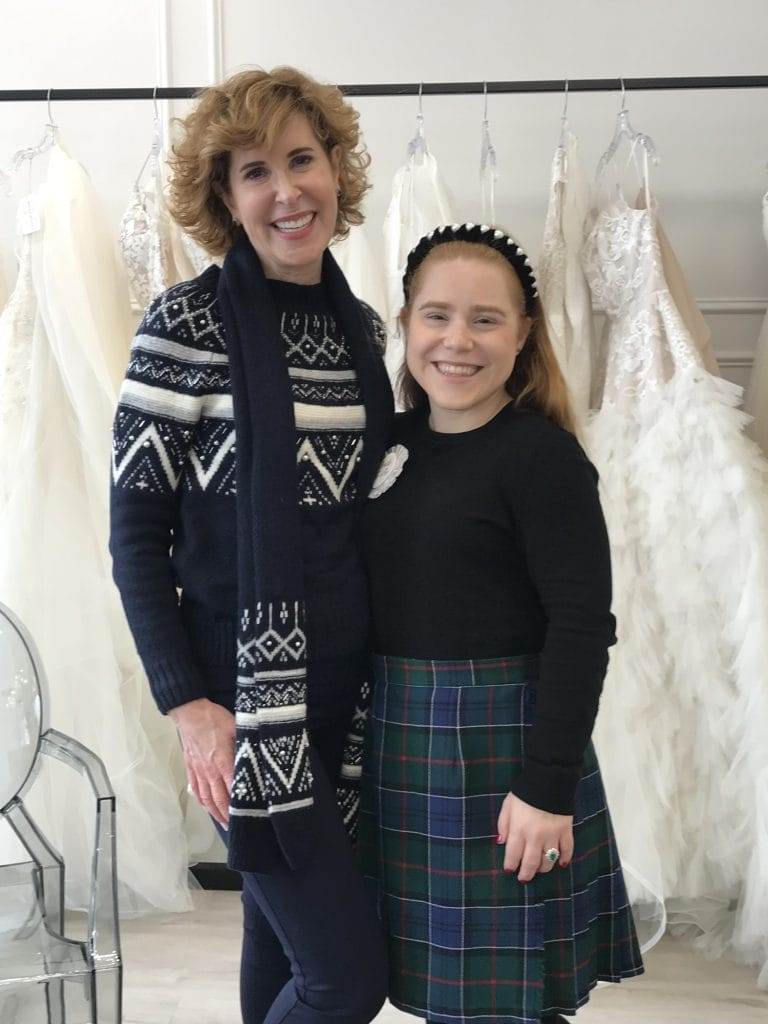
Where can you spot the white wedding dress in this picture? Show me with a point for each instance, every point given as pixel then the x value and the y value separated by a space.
pixel 683 722
pixel 155 251
pixel 420 203
pixel 562 285
pixel 756 403
pixel 64 338
pixel 363 271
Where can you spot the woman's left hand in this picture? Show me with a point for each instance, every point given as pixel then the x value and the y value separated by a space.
pixel 528 833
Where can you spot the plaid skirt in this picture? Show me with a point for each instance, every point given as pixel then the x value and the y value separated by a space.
pixel 468 942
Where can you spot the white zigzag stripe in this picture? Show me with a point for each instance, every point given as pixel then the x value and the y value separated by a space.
pixel 306 448
pixel 204 476
pixel 245 752
pixel 148 434
pixel 288 780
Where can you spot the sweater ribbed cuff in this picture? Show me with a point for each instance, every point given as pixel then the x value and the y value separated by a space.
pixel 175 681
pixel 549 787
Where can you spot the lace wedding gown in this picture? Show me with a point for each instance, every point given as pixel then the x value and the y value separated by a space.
pixel 684 716
pixel 420 202
pixel 155 251
pixel 64 338
pixel 757 393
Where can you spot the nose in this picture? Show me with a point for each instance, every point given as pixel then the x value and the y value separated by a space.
pixel 458 337
pixel 286 189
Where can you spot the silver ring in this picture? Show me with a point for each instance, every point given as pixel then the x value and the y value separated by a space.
pixel 552 855
pixel 189 789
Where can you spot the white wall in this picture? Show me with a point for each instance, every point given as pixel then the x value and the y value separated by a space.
pixel 714 145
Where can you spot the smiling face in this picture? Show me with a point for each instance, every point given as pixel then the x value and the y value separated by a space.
pixel 286 199
pixel 465 327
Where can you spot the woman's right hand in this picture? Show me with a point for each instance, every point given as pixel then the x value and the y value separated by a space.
pixel 207 732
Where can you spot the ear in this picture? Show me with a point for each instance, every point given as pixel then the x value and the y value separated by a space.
pixel 334 157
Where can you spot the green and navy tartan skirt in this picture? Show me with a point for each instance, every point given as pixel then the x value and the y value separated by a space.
pixel 468 942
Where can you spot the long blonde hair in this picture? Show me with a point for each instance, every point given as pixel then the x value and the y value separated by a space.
pixel 536 381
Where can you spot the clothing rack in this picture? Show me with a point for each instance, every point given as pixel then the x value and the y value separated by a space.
pixel 415 88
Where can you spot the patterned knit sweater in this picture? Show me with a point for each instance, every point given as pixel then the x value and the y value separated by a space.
pixel 173 537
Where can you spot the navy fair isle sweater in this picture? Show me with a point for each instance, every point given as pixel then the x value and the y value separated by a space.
pixel 173 496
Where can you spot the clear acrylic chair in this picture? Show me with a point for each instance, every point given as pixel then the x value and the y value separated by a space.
pixel 44 975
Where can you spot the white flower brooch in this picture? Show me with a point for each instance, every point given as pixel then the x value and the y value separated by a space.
pixel 390 469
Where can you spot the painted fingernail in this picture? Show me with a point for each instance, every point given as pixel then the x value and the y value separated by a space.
pixel 499 839
pixel 508 871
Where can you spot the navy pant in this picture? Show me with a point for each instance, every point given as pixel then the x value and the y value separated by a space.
pixel 313 950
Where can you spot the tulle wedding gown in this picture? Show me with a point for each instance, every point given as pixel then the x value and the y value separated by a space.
pixel 684 716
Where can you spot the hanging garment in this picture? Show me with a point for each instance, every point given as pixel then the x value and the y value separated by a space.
pixel 562 285
pixel 684 715
pixel 364 274
pixel 65 335
pixel 155 251
pixel 420 202
pixel 757 393
pixel 158 254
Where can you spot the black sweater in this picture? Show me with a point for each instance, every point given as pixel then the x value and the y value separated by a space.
pixel 492 543
pixel 173 501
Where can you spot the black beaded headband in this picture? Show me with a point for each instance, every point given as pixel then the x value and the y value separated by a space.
pixel 483 235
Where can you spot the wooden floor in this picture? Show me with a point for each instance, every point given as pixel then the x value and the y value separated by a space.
pixel 182 969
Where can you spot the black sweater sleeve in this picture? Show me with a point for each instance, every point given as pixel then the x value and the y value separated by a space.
pixel 152 435
pixel 562 532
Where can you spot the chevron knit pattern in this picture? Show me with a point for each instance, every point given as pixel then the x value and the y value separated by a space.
pixel 174 435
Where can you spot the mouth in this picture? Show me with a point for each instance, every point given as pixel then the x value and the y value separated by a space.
pixel 296 225
pixel 457 369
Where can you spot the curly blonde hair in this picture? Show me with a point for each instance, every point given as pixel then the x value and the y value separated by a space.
pixel 536 382
pixel 252 108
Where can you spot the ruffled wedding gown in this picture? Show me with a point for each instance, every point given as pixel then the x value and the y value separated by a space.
pixel 420 202
pixel 64 338
pixel 683 721
pixel 757 393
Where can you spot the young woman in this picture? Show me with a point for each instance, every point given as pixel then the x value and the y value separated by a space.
pixel 485 826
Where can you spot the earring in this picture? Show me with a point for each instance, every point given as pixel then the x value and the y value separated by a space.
pixel 338 193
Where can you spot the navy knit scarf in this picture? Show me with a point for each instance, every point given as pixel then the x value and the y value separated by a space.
pixel 272 793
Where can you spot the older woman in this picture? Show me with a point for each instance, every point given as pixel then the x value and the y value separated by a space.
pixel 251 424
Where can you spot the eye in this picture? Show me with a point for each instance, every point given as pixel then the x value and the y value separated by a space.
pixel 256 173
pixel 303 160
pixel 434 316
pixel 486 320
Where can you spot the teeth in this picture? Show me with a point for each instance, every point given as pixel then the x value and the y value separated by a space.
pixel 294 225
pixel 457 369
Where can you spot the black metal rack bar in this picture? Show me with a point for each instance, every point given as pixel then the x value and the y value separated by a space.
pixel 413 88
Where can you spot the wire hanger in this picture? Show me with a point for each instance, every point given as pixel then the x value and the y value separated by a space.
pixel 417 147
pixel 624 130
pixel 45 143
pixel 488 161
pixel 157 139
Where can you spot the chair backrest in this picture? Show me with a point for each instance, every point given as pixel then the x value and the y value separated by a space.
pixel 23 707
